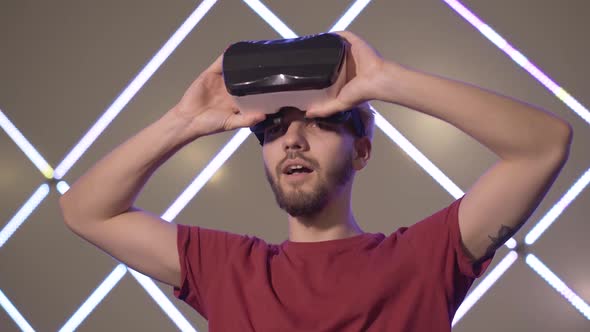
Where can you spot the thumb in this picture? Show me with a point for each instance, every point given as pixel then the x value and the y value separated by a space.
pixel 327 108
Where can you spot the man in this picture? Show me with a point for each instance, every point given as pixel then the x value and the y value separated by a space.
pixel 329 275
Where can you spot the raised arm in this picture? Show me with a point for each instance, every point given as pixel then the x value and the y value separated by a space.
pixel 532 145
pixel 99 205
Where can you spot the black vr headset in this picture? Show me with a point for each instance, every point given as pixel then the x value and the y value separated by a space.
pixel 269 75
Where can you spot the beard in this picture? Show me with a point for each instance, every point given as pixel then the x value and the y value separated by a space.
pixel 298 202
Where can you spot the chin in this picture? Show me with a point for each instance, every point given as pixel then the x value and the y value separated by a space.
pixel 310 195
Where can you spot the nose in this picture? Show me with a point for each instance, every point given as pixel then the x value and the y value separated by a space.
pixel 294 137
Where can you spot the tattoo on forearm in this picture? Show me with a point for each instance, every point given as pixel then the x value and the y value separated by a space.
pixel 504 233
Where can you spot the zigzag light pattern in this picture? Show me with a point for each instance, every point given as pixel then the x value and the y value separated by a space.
pixel 138 82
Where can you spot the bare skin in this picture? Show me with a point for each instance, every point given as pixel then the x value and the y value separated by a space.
pixel 532 146
pixel 326 149
pixel 99 205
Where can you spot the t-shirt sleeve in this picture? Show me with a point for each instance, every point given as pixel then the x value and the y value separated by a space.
pixel 202 253
pixel 437 241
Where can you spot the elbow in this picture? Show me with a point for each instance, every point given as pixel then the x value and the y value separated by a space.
pixel 68 213
pixel 555 149
pixel 568 134
pixel 562 141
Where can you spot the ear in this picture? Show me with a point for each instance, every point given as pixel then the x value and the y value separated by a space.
pixel 361 153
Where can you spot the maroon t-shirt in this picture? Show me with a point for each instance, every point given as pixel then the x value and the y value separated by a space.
pixel 411 280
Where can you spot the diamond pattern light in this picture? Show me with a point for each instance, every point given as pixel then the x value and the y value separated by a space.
pixel 201 179
pixel 131 90
pixel 25 146
pixel 14 313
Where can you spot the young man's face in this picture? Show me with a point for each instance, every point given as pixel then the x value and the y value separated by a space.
pixel 307 162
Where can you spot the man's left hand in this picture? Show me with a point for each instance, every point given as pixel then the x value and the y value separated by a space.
pixel 364 71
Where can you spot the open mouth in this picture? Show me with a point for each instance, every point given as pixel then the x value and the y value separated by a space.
pixel 297 173
pixel 297 169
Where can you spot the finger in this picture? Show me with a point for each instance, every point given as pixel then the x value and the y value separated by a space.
pixel 342 33
pixel 347 35
pixel 217 66
pixel 357 41
pixel 327 108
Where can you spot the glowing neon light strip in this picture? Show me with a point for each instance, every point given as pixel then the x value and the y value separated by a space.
pixel 131 90
pixel 62 187
pixel 14 314
pixel 95 298
pixel 380 121
pixel 243 133
pixel 550 217
pixel 558 285
pixel 23 213
pixel 558 91
pixel 162 300
pixel 174 209
pixel 484 285
pixel 423 162
pixel 26 147
pixel 511 243
pixel 206 174
pixel 286 36
pixel 119 103
pixel 270 18
pixel 350 15
pixel 520 59
pixel 383 124
pixel 127 94
pixel 111 281
pixel 418 156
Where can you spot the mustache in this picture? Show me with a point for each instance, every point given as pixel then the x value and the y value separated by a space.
pixel 296 155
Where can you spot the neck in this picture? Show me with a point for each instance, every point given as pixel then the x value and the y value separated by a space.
pixel 335 221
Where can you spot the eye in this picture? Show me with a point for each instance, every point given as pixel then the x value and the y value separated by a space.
pixel 320 124
pixel 273 131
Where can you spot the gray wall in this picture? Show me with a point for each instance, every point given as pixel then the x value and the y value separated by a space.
pixel 62 64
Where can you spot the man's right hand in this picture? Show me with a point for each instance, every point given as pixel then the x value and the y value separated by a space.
pixel 209 108
pixel 99 205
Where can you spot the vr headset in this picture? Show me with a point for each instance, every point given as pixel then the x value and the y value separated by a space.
pixel 269 75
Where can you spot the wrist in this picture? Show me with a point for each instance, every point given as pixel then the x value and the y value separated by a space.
pixel 389 82
pixel 177 127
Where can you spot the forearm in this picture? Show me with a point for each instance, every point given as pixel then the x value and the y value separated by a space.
pixel 509 128
pixel 111 186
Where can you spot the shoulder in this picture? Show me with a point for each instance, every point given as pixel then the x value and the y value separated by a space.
pixel 219 240
pixel 437 224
